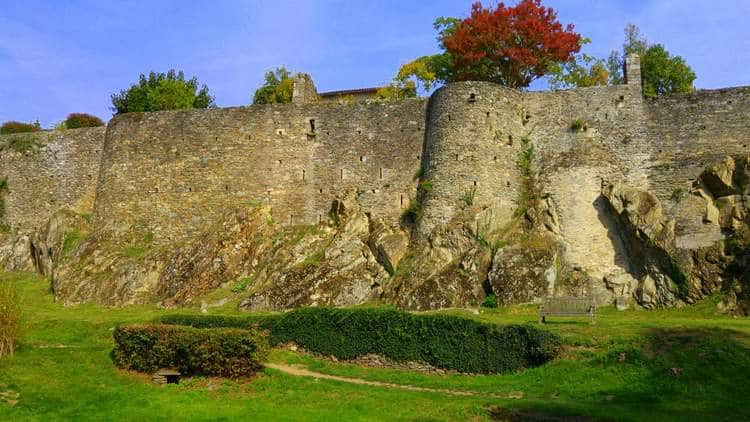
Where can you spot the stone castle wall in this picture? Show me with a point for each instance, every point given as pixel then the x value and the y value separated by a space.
pixel 174 173
pixel 49 171
pixel 691 131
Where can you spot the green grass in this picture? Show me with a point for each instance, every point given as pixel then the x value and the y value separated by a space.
pixel 619 369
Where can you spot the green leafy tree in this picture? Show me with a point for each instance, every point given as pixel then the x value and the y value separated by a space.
pixel 580 71
pixel 665 74
pixel 162 91
pixel 277 87
pixel 661 73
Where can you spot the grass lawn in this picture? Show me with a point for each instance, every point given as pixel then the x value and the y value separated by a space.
pixel 682 364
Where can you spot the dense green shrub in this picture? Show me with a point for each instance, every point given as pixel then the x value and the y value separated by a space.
pixel 444 341
pixel 79 120
pixel 162 91
pixel 19 127
pixel 224 352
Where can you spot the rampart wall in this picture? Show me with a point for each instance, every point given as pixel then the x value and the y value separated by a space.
pixel 173 173
pixel 48 171
pixel 691 131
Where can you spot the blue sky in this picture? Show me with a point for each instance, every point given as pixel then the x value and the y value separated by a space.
pixel 58 57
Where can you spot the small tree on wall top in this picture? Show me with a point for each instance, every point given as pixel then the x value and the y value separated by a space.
pixel 162 91
pixel 509 45
pixel 277 87
pixel 661 72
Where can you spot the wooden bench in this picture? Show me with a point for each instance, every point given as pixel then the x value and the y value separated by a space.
pixel 567 306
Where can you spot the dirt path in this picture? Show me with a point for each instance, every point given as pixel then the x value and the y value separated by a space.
pixel 302 372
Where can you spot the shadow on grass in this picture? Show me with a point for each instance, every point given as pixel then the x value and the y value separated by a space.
pixel 672 374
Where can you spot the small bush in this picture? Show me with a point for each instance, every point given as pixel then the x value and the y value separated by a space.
pixel 221 352
pixel 444 341
pixel 578 125
pixel 19 127
pixel 412 213
pixel 241 285
pixel 490 301
pixel 468 196
pixel 678 194
pixel 10 317
pixel 79 120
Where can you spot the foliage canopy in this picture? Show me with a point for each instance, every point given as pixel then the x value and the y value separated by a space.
pixel 162 91
pixel 18 127
pixel 277 87
pixel 509 45
pixel 79 120
pixel 661 73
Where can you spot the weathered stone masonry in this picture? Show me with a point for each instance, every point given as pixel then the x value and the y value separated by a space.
pixel 174 174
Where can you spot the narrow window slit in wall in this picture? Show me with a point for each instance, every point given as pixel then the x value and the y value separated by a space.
pixel 320 218
pixel 216 139
pixel 622 98
pixel 226 188
pixel 402 200
pixel 156 190
pixel 190 189
pixel 359 131
pixel 291 219
pixel 472 97
pixel 449 117
pixel 510 140
pixel 507 183
pixel 303 175
pixel 475 183
pixel 381 173
pixel 361 158
pixel 494 158
pixel 312 125
pixel 419 157
pixel 320 191
pixel 342 174
pixel 457 157
pixel 249 137
pixel 488 114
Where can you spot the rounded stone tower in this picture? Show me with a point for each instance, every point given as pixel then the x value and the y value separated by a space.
pixel 475 135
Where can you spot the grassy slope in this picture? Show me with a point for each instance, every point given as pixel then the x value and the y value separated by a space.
pixel 618 369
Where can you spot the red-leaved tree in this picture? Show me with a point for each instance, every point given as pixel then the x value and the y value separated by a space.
pixel 509 45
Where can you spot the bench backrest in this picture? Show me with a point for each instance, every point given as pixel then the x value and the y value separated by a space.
pixel 567 304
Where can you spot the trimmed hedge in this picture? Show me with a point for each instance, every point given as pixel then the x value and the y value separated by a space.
pixel 222 352
pixel 444 341
pixel 79 120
